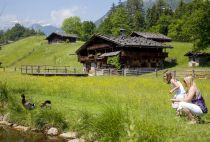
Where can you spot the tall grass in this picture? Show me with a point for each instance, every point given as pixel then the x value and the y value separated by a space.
pixel 50 118
pixel 106 108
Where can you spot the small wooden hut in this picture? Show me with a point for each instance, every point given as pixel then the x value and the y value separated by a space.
pixel 197 58
pixel 133 52
pixel 60 37
pixel 152 36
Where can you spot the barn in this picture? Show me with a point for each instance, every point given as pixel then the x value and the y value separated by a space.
pixel 132 52
pixel 197 58
pixel 61 37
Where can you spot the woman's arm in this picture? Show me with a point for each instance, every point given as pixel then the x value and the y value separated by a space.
pixel 188 98
pixel 176 86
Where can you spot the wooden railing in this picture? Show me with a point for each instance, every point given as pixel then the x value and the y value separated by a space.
pixel 124 72
pixel 47 69
pixel 200 74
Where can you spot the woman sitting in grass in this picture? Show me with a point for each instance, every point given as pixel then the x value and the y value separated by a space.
pixel 193 104
pixel 176 87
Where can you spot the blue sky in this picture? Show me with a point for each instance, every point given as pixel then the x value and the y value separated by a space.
pixel 50 11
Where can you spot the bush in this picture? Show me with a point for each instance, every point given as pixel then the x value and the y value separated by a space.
pixel 49 117
pixel 3 94
pixel 18 114
pixel 170 62
pixel 107 126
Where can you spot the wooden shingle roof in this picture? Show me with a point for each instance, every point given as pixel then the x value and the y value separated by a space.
pixel 62 35
pixel 197 54
pixel 138 42
pixel 152 36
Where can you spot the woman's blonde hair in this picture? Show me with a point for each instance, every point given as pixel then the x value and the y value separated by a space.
pixel 189 81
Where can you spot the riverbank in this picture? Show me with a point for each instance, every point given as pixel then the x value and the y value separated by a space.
pixel 51 134
pixel 8 134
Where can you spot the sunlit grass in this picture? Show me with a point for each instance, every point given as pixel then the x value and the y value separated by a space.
pixel 141 103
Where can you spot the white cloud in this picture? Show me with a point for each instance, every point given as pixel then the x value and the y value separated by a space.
pixel 8 21
pixel 57 16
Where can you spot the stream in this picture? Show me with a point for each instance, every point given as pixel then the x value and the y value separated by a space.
pixel 10 135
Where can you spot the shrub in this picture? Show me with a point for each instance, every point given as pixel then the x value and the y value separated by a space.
pixel 18 114
pixel 3 94
pixel 109 125
pixel 50 117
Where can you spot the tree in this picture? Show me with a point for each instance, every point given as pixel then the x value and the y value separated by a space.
pixel 161 8
pixel 72 25
pixel 136 12
pixel 88 29
pixel 119 19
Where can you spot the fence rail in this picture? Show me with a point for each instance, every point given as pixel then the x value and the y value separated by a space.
pixel 67 70
pixel 200 74
pixel 124 72
pixel 48 70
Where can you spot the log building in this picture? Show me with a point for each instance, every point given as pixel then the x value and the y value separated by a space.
pixel 133 52
pixel 60 37
pixel 197 58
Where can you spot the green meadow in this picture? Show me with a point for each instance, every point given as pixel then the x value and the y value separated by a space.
pixel 35 50
pixel 127 109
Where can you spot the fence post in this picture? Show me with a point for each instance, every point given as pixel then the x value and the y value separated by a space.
pixel 21 69
pixel 26 69
pixel 32 69
pixel 15 69
pixel 193 73
pixel 38 69
pixel 156 73
pixel 4 68
pixel 74 70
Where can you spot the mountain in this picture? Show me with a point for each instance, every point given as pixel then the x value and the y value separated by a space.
pixel 147 4
pixel 46 29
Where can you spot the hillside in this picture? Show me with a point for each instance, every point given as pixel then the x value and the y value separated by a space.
pixel 35 50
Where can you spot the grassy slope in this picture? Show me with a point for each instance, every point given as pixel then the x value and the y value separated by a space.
pixel 55 54
pixel 178 52
pixel 59 53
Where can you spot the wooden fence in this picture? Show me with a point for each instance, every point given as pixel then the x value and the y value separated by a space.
pixel 48 70
pixel 124 72
pixel 67 70
pixel 200 74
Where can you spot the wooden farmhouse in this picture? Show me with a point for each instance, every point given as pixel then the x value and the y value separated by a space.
pixel 197 58
pixel 152 36
pixel 133 52
pixel 58 37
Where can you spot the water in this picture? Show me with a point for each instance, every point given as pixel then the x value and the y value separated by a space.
pixel 10 135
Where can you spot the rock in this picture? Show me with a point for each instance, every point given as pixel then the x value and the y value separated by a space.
pixel 36 130
pixel 6 117
pixel 14 125
pixel 52 132
pixel 5 123
pixel 1 117
pixel 22 128
pixel 69 135
pixel 77 140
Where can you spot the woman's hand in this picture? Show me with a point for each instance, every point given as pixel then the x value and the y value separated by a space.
pixel 174 100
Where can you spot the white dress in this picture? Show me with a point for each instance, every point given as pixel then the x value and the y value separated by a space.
pixel 180 94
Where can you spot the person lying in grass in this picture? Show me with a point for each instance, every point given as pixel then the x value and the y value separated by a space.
pixel 176 87
pixel 193 104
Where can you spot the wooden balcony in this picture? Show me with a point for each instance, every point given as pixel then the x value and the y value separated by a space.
pixel 144 54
